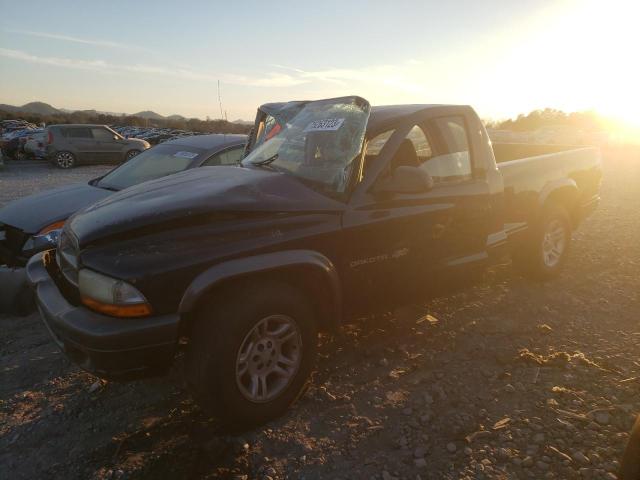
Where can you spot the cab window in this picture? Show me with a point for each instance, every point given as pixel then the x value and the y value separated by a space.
pixel 451 160
pixel 374 146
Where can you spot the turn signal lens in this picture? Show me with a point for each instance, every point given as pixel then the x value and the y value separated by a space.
pixel 127 311
pixel 111 296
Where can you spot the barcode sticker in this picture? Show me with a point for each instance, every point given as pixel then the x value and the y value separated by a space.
pixel 185 154
pixel 328 125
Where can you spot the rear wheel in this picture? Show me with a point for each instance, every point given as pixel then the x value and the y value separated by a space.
pixel 545 251
pixel 251 352
pixel 65 160
pixel 131 153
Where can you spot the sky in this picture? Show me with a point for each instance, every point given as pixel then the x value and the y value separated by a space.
pixel 503 57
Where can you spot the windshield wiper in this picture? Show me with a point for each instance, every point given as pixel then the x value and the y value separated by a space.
pixel 266 161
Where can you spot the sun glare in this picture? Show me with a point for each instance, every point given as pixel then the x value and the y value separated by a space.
pixel 602 72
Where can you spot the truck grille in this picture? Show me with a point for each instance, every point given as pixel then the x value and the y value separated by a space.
pixel 67 257
pixel 68 291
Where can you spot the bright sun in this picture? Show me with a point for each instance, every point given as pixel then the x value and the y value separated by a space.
pixel 581 55
pixel 607 74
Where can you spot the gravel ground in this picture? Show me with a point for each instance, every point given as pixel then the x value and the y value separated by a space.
pixel 31 176
pixel 506 379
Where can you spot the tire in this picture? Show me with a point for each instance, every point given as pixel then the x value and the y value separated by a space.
pixel 545 251
pixel 130 154
pixel 65 160
pixel 24 303
pixel 630 467
pixel 16 297
pixel 236 331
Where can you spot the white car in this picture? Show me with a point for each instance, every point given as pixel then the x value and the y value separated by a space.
pixel 35 145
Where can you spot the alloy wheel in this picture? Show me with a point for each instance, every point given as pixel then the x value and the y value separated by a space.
pixel 553 243
pixel 269 358
pixel 64 160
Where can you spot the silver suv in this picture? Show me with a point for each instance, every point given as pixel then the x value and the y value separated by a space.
pixel 70 145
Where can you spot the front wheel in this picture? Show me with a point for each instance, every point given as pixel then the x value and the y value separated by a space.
pixel 545 251
pixel 251 353
pixel 630 467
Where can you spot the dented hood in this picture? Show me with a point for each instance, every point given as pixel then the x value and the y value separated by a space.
pixel 195 194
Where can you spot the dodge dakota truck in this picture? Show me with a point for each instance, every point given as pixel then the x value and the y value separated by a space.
pixel 345 207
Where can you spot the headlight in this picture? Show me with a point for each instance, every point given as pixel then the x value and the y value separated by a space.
pixel 37 243
pixel 45 239
pixel 110 296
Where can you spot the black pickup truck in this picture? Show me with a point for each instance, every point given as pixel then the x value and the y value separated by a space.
pixel 341 209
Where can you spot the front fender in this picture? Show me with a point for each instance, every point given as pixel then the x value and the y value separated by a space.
pixel 268 262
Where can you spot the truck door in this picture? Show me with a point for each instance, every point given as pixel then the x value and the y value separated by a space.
pixel 458 182
pixel 397 246
pixel 390 238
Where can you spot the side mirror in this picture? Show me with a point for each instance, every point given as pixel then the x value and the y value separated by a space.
pixel 405 180
pixel 116 137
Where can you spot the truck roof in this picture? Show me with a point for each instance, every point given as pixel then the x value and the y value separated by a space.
pixel 382 117
pixel 386 116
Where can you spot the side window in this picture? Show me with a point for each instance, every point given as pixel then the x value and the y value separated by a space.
pixel 373 149
pixel 414 151
pixel 102 134
pixel 79 132
pixel 451 161
pixel 228 157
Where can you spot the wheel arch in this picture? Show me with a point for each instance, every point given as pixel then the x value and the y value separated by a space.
pixel 563 193
pixel 306 269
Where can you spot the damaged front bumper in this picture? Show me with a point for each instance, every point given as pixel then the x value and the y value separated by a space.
pixel 110 347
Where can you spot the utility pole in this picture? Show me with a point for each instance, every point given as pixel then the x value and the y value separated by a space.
pixel 220 101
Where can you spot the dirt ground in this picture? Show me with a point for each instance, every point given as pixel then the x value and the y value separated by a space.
pixel 506 379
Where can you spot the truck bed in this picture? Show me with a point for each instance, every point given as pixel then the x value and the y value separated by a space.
pixel 532 172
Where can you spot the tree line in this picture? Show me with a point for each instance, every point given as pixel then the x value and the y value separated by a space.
pixel 190 124
pixel 587 121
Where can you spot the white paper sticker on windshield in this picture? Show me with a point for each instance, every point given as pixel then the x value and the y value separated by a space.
pixel 185 154
pixel 328 125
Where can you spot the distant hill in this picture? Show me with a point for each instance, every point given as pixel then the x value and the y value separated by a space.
pixel 39 108
pixel 98 112
pixel 149 114
pixel 46 110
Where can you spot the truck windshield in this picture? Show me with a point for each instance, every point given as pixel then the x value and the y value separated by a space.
pixel 318 144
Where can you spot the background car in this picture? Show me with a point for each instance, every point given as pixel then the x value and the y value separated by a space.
pixel 70 145
pixel 32 224
pixel 35 144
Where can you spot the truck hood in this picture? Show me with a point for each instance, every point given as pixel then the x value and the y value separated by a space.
pixel 193 196
pixel 34 212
